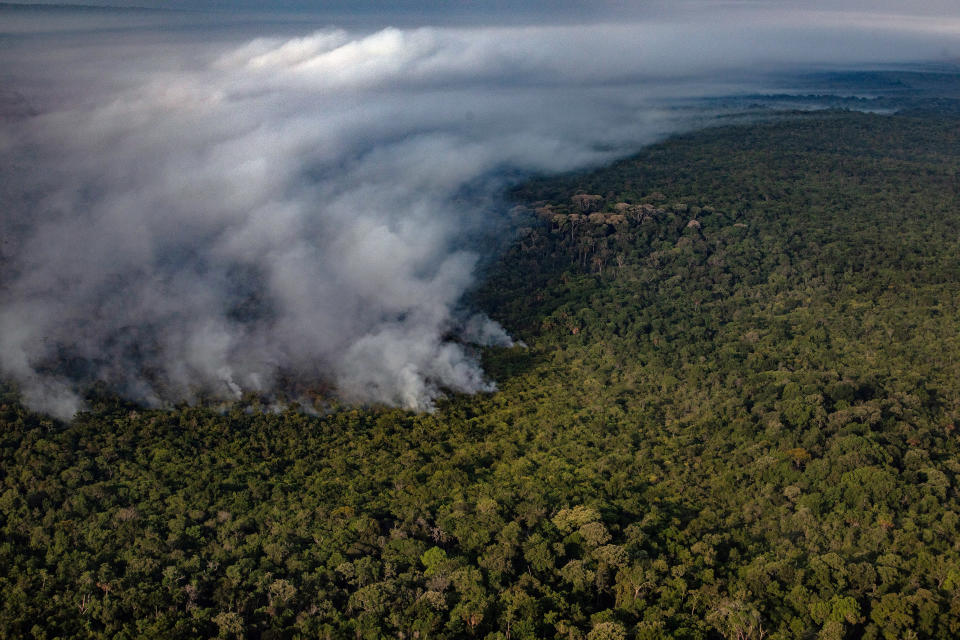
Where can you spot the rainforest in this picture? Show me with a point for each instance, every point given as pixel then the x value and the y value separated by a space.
pixel 730 411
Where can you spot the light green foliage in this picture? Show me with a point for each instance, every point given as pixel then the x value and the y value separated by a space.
pixel 607 631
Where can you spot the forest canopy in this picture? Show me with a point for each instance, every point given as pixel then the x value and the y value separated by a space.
pixel 735 417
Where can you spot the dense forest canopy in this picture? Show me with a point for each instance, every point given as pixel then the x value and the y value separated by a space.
pixel 735 417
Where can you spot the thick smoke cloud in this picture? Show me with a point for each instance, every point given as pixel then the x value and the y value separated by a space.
pixel 186 218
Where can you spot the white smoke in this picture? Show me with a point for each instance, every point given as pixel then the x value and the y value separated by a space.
pixel 186 219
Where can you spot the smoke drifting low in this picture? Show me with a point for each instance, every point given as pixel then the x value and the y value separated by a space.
pixel 186 218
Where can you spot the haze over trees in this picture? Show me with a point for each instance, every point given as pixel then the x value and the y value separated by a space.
pixel 205 204
pixel 736 418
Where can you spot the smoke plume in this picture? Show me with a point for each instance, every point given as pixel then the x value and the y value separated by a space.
pixel 190 213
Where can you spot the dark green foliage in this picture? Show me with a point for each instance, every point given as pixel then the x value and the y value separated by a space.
pixel 740 428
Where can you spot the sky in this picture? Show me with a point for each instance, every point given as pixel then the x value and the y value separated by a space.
pixel 545 8
pixel 201 205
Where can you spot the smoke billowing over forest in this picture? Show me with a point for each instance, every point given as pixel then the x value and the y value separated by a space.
pixel 195 212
